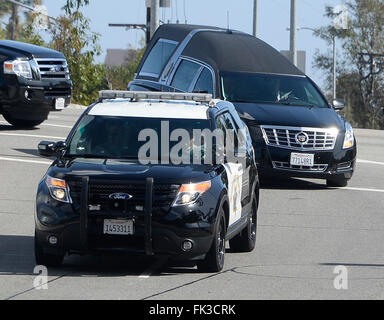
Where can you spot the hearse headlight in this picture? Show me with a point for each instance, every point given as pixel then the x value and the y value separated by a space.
pixel 58 189
pixel 349 139
pixel 189 193
pixel 21 68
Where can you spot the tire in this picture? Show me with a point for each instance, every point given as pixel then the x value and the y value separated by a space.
pixel 48 260
pixel 339 183
pixel 23 123
pixel 214 260
pixel 245 241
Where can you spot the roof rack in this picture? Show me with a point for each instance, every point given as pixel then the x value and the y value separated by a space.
pixel 145 95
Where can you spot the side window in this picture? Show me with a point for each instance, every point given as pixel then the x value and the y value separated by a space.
pixel 229 122
pixel 205 82
pixel 158 57
pixel 184 75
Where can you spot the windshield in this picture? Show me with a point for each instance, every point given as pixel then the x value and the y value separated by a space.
pixel 270 88
pixel 118 137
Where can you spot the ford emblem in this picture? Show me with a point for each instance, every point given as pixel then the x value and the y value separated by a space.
pixel 120 196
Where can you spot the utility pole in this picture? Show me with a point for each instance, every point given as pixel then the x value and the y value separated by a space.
pixel 155 16
pixel 293 31
pixel 255 7
pixel 334 68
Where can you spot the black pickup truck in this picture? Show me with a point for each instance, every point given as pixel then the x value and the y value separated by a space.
pixel 33 81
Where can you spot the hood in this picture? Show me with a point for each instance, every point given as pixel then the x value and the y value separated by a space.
pixel 130 170
pixel 293 116
pixel 30 50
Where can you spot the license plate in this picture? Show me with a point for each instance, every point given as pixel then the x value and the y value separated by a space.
pixel 119 227
pixel 302 159
pixel 59 103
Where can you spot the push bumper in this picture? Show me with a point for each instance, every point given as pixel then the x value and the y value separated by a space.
pixel 83 232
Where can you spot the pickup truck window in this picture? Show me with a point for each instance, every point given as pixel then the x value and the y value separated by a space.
pixel 205 82
pixel 158 57
pixel 185 74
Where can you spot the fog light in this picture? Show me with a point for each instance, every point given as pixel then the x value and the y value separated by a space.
pixel 187 245
pixel 27 95
pixel 52 240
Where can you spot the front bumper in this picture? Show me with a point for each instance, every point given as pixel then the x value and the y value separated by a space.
pixel 156 230
pixel 35 96
pixel 331 164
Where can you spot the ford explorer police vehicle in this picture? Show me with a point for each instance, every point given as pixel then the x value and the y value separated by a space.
pixel 135 176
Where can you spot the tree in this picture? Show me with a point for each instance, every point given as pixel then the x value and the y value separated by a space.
pixel 361 72
pixel 72 36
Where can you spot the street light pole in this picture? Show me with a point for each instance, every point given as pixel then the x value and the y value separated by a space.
pixel 292 46
pixel 334 68
pixel 255 7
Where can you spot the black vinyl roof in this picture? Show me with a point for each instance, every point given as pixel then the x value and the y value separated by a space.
pixel 225 50
pixel 238 52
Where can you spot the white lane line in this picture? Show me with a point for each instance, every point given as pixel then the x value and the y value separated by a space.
pixel 25 160
pixel 370 162
pixel 361 189
pixel 153 268
pixel 30 136
pixel 47 125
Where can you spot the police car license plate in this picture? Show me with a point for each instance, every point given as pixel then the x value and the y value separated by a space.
pixel 119 227
pixel 302 159
pixel 59 103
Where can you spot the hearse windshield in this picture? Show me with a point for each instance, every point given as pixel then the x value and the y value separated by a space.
pixel 270 89
pixel 118 137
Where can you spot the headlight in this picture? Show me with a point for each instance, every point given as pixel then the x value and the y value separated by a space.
pixel 349 139
pixel 19 67
pixel 189 193
pixel 58 189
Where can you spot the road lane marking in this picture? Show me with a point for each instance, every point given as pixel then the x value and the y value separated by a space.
pixel 370 162
pixel 361 189
pixel 153 268
pixel 30 136
pixel 46 124
pixel 24 160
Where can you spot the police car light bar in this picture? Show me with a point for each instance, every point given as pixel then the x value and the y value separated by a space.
pixel 151 95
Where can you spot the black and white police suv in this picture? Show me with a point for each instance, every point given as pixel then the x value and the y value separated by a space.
pixel 152 173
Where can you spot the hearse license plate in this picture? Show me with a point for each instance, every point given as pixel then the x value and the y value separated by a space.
pixel 59 103
pixel 119 227
pixel 302 159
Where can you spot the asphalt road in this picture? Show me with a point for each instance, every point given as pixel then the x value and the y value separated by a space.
pixel 305 231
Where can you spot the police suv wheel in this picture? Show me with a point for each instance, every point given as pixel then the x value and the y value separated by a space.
pixel 214 260
pixel 246 240
pixel 48 260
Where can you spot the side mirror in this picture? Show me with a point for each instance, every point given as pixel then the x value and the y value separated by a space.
pixel 50 149
pixel 339 104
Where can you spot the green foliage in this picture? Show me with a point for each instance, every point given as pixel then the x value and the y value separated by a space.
pixel 118 77
pixel 360 68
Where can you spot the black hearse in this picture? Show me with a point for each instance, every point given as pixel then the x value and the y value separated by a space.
pixel 102 194
pixel 295 131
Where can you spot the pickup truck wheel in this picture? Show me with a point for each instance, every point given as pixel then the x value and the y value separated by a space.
pixel 23 123
pixel 214 260
pixel 246 240
pixel 48 260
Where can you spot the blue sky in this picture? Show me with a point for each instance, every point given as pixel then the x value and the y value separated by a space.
pixel 274 18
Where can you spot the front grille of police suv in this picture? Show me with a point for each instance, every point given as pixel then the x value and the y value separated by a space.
pixel 53 69
pixel 98 196
pixel 286 137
